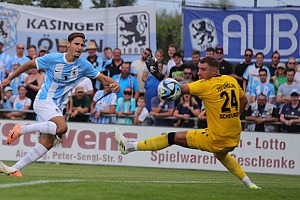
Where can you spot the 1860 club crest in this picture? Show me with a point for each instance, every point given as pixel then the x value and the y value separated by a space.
pixel 133 32
pixel 8 27
pixel 203 34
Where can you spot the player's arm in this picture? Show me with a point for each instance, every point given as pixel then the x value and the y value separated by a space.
pixel 106 80
pixel 185 89
pixel 26 66
pixel 152 67
pixel 243 103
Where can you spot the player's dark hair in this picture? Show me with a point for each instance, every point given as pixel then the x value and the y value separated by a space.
pixel 148 49
pixel 211 61
pixel 72 36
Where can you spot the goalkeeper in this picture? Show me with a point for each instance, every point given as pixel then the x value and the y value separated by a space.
pixel 223 99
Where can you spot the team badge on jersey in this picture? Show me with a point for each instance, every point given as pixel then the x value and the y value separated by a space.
pixel 133 33
pixel 203 34
pixel 8 27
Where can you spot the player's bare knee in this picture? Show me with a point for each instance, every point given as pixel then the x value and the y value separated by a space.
pixel 62 129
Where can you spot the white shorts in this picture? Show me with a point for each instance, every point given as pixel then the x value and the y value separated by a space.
pixel 45 110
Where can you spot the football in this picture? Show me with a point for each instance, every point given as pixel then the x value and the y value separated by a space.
pixel 169 89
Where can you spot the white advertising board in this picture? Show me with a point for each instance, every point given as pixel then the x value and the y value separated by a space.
pixel 85 143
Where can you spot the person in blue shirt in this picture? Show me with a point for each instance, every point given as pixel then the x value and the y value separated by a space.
pixel 18 58
pixel 63 72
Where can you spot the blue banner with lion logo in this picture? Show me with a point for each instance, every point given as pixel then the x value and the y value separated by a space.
pixel 236 29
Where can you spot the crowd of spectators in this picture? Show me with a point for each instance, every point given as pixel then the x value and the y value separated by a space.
pixel 272 90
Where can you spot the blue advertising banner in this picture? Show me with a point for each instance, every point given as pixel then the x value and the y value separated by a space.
pixel 236 29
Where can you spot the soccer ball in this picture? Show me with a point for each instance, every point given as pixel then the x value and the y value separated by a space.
pixel 169 89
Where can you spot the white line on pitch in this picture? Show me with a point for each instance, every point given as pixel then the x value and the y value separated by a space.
pixel 105 181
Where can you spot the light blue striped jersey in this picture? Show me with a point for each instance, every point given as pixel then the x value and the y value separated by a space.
pixel 61 76
pixel 251 75
pixel 15 59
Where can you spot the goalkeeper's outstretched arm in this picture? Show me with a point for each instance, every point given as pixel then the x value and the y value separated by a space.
pixel 152 66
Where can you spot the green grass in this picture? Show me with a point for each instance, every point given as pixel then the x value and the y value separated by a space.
pixel 109 182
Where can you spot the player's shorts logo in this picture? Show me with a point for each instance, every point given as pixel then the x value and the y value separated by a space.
pixel 8 27
pixel 203 34
pixel 133 33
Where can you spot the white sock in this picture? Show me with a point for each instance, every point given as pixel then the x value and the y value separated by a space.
pixel 42 127
pixel 246 180
pixel 34 154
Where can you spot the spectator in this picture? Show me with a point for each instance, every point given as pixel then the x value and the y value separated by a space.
pixel 33 83
pixel 187 76
pixel 275 58
pixel 290 114
pixel 4 58
pixel 151 86
pixel 140 66
pixel 261 113
pixel 108 53
pixel 104 102
pixel 141 113
pixel 113 67
pixel 159 57
pixel 240 68
pixel 81 105
pixel 263 87
pixel 43 51
pixel 176 71
pixel 32 52
pixel 96 61
pixel 280 76
pixel 194 65
pixel 19 102
pixel 291 63
pixel 5 102
pixel 186 109
pixel 87 85
pixel 225 66
pixel 125 106
pixel 160 108
pixel 18 58
pixel 284 91
pixel 210 52
pixel 297 75
pixel 171 50
pixel 62 46
pixel 250 76
pixel 126 80
pixel 18 81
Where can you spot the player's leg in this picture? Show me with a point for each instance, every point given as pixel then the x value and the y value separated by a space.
pixel 45 111
pixel 234 167
pixel 46 142
pixel 150 144
pixel 54 124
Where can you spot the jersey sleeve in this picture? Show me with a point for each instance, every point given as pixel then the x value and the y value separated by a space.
pixel 90 70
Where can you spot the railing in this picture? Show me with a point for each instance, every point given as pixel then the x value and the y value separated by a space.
pixel 195 119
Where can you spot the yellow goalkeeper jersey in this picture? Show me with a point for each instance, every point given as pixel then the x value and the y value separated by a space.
pixel 221 97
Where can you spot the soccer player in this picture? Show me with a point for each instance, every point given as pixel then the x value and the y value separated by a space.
pixel 63 72
pixel 223 99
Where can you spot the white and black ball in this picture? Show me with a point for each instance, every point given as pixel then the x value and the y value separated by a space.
pixel 169 89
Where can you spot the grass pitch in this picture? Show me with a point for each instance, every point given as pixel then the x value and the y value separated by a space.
pixel 86 182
